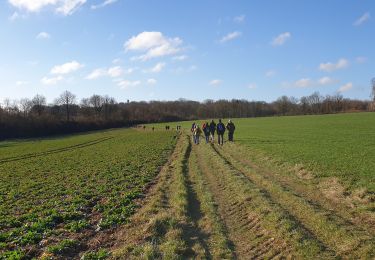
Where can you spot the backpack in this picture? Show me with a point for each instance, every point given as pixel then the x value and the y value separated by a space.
pixel 220 127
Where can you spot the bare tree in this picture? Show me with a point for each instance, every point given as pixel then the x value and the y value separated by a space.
pixel 373 89
pixel 25 105
pixel 96 101
pixel 67 100
pixel 39 103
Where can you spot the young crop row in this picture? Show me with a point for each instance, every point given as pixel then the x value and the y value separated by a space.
pixel 59 199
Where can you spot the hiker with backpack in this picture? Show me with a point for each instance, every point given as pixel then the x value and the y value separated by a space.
pixel 231 127
pixel 220 129
pixel 212 130
pixel 206 131
pixel 196 134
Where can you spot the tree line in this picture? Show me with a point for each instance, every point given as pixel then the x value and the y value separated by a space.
pixel 34 117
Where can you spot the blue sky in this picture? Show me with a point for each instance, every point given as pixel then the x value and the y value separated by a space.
pixel 198 49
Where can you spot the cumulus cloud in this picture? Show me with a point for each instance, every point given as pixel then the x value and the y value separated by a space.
pixel 303 83
pixel 97 73
pixel 329 66
pixel 230 36
pixel 126 84
pixel 281 39
pixel 51 80
pixel 154 44
pixel 16 16
pixel 65 7
pixel 43 35
pixel 364 18
pixel 158 67
pixel 22 83
pixel 151 81
pixel 327 81
pixel 346 87
pixel 66 68
pixel 105 3
pixel 240 18
pixel 215 82
pixel 113 72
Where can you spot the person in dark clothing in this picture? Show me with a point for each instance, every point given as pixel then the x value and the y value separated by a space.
pixel 220 129
pixel 231 127
pixel 212 130
pixel 206 131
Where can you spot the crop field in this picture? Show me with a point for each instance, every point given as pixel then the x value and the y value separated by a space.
pixel 288 188
pixel 56 194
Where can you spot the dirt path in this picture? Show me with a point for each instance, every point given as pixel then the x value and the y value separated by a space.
pixel 214 202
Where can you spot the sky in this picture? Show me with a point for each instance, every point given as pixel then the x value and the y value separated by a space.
pixel 197 50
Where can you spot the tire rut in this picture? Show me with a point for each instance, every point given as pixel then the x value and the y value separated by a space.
pixel 250 239
pixel 343 239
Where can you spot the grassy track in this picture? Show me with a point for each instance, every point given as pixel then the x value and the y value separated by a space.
pixel 217 202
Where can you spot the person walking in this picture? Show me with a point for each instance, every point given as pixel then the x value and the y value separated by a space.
pixel 220 129
pixel 206 131
pixel 196 134
pixel 212 130
pixel 231 127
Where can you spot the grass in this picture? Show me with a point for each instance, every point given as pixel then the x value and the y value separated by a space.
pixel 55 189
pixel 339 145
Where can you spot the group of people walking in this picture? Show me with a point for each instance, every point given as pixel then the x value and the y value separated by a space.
pixel 209 130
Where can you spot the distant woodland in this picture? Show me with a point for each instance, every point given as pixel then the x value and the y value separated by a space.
pixel 34 117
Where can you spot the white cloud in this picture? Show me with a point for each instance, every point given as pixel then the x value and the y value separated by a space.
pixel 270 73
pixel 52 80
pixel 180 58
pixel 303 83
pixel 115 72
pixel 66 68
pixel 65 7
pixel 43 35
pixel 154 44
pixel 329 67
pixel 105 3
pixel 16 16
pixel 126 84
pixel 361 60
pixel 97 73
pixel 345 87
pixel 158 67
pixel 364 18
pixel 151 81
pixel 22 83
pixel 252 86
pixel 215 82
pixel 116 61
pixel 239 19
pixel 230 36
pixel 327 81
pixel 281 39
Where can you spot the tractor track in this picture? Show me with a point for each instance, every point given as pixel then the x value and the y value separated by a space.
pixel 221 206
pixel 54 151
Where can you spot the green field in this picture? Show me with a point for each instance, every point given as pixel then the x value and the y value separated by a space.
pixel 53 189
pixel 340 145
pixel 289 187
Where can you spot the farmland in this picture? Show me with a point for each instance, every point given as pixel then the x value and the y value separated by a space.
pixel 56 192
pixel 288 187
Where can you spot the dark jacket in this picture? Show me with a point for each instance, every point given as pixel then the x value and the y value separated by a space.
pixel 212 127
pixel 231 127
pixel 220 128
